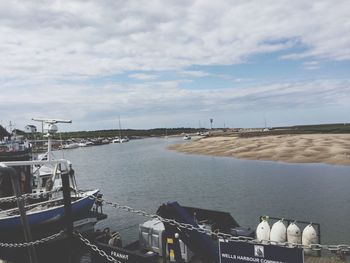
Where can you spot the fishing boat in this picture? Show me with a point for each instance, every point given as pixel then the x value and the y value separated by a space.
pixel 41 182
pixel 13 149
pixel 44 212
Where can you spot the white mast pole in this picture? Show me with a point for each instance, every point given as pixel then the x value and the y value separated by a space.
pixel 120 129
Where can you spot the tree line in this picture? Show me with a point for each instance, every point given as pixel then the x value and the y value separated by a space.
pixel 131 133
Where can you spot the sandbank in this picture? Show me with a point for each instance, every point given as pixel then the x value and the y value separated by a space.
pixel 306 148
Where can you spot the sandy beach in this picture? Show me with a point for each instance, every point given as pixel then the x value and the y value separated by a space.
pixel 308 148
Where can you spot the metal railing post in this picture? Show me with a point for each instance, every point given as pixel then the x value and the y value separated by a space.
pixel 68 216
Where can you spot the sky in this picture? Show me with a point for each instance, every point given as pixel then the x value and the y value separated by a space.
pixel 175 63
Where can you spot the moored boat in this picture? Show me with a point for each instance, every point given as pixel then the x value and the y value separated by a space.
pixel 44 212
pixel 187 137
pixel 184 234
pixel 12 150
pixel 44 195
pixel 70 145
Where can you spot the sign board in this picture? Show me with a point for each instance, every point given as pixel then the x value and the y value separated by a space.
pixel 240 252
pixel 122 255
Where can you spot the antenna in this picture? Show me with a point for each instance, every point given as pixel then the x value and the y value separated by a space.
pixel 10 126
pixel 52 121
pixel 51 129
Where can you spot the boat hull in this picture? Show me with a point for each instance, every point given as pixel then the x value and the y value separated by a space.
pixel 80 207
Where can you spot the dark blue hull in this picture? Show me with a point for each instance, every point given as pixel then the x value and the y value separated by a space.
pixel 49 215
pixel 44 223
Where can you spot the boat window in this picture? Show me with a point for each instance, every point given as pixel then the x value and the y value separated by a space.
pixel 155 241
pixel 43 181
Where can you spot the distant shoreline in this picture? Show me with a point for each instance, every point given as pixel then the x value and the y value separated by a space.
pixel 305 148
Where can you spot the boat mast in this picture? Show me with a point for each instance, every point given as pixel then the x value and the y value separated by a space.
pixel 120 129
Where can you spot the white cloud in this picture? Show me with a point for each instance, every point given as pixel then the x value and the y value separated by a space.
pixel 141 76
pixel 167 101
pixel 311 65
pixel 54 55
pixel 104 37
pixel 195 73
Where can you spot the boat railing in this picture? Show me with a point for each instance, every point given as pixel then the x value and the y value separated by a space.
pixel 31 206
pixel 35 162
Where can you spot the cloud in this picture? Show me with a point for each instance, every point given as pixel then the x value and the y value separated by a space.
pixel 195 73
pixel 64 58
pixel 89 38
pixel 141 76
pixel 311 65
pixel 151 102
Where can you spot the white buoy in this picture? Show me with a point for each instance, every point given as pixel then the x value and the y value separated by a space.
pixel 293 234
pixel 263 231
pixel 278 232
pixel 309 237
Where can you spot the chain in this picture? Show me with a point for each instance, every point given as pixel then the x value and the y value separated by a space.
pixel 315 247
pixel 95 248
pixel 26 196
pixel 32 243
pixel 9 199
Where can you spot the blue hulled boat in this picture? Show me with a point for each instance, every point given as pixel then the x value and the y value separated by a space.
pixel 41 185
pixel 46 212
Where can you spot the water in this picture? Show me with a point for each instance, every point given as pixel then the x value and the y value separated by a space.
pixel 144 174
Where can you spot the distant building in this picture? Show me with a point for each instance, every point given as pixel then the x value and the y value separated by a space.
pixel 30 129
pixel 18 132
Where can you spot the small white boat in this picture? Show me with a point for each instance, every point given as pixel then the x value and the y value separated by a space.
pixel 70 145
pixel 89 143
pixel 83 143
pixel 186 137
pixel 117 140
pixel 125 139
pixel 120 140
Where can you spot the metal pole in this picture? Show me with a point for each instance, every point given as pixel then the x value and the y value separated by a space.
pixel 49 147
pixel 120 130
pixel 68 215
pixel 20 203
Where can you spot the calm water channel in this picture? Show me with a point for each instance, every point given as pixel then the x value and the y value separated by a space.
pixel 143 174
